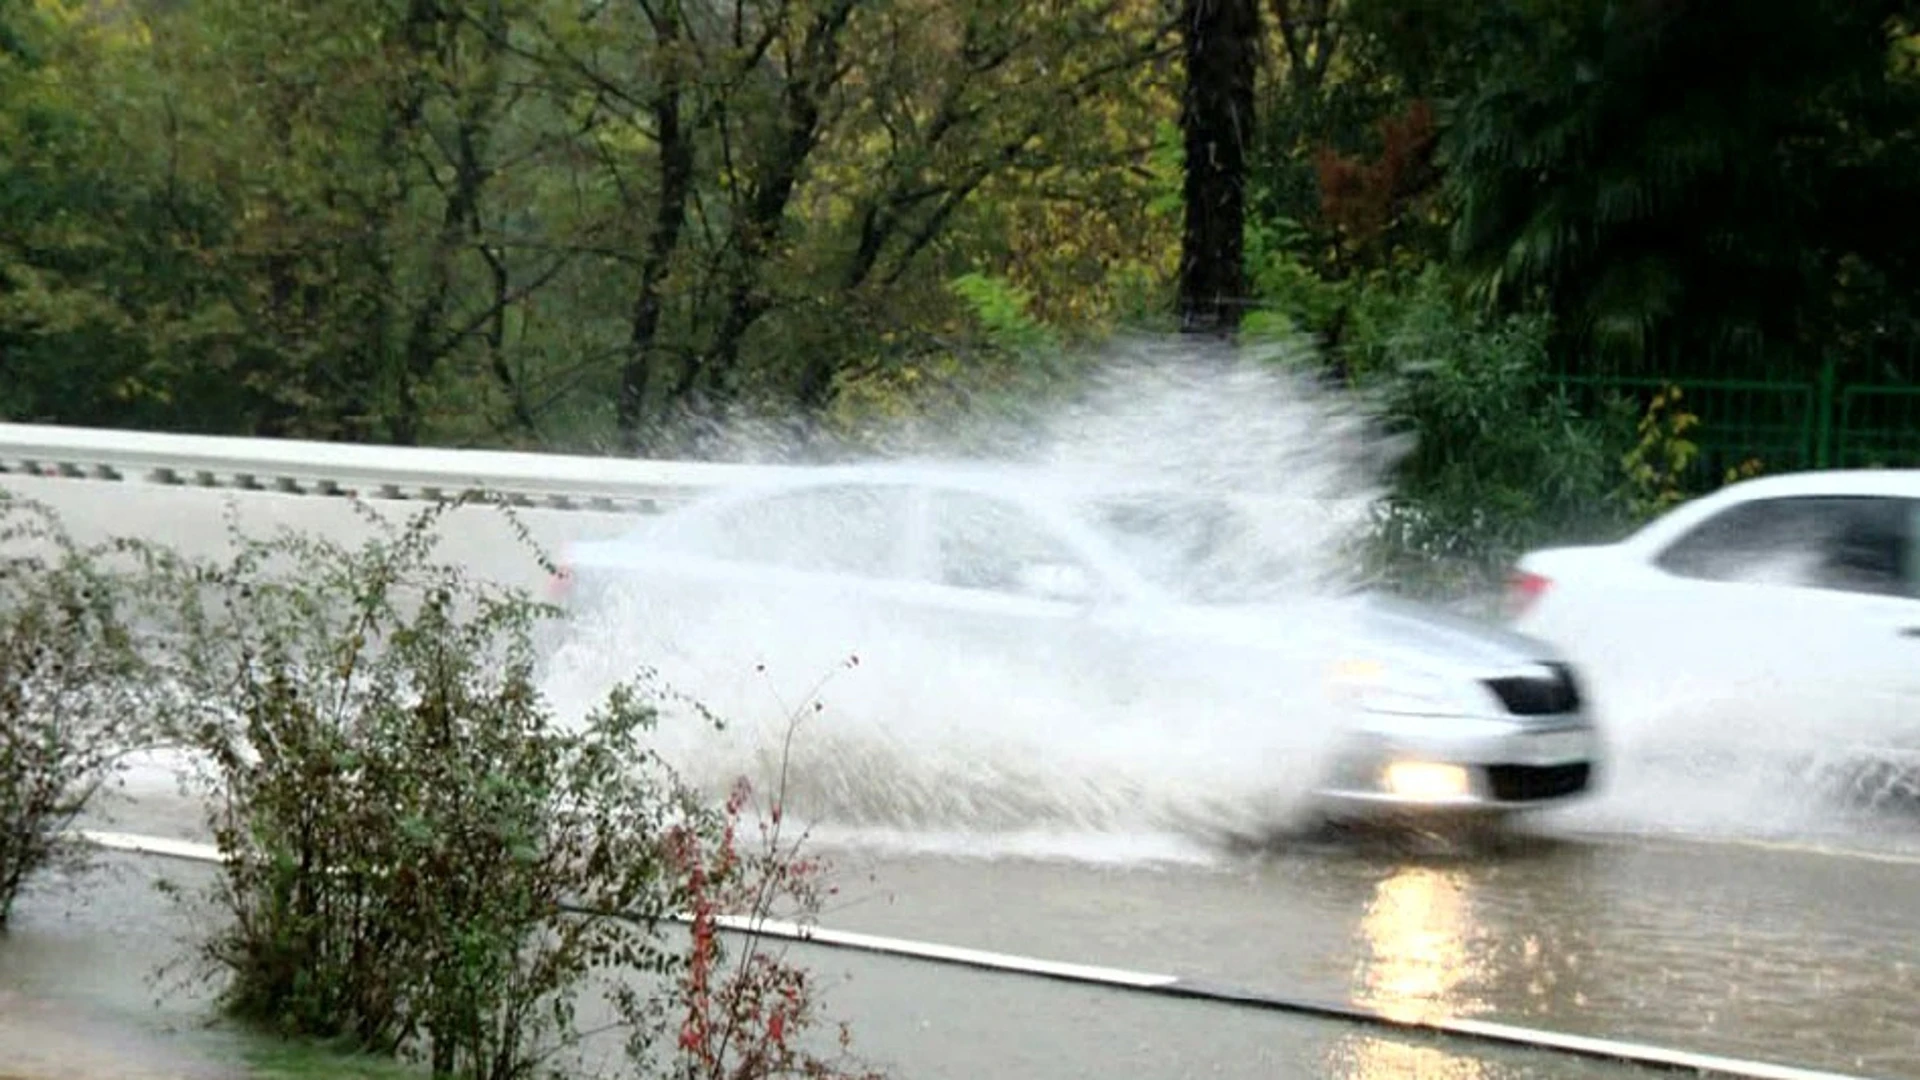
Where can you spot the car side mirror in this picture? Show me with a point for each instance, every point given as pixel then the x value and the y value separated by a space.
pixel 1057 581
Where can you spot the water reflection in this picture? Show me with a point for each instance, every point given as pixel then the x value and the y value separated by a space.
pixel 1416 957
pixel 1366 1057
pixel 1415 937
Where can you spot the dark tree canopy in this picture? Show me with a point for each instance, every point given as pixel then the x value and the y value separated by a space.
pixel 1676 175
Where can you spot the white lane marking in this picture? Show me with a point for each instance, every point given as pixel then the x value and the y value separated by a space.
pixel 950 953
pixel 1590 1046
pixel 208 853
pixel 1638 1052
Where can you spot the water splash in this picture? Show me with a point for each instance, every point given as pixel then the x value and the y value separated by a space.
pixel 1062 722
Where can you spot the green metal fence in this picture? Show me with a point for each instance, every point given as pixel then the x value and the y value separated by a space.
pixel 1784 424
pixel 1878 427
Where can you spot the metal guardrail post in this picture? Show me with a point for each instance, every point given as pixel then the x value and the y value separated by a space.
pixel 1825 402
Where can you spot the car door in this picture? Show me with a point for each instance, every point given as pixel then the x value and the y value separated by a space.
pixel 1004 590
pixel 1787 619
pixel 794 579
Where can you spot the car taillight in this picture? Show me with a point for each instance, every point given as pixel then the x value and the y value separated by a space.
pixel 1524 589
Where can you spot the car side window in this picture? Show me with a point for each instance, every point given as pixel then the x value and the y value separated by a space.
pixel 1858 544
pixel 981 542
pixel 840 529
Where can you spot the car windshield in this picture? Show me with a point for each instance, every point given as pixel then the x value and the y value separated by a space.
pixel 1210 549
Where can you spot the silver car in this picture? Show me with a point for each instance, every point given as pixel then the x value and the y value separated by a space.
pixel 1436 714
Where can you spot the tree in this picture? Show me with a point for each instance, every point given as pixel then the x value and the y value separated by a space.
pixel 543 223
pixel 87 260
pixel 1216 118
pixel 1676 175
pixel 792 177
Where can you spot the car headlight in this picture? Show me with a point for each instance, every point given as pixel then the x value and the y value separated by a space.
pixel 1427 781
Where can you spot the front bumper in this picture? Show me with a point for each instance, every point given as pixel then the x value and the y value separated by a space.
pixel 1480 766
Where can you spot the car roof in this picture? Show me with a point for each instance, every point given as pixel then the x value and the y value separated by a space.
pixel 1881 483
pixel 930 473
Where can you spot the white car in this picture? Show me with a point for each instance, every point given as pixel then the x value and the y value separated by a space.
pixel 1148 589
pixel 1776 618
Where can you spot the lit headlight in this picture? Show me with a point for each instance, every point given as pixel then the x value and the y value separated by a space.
pixel 1427 781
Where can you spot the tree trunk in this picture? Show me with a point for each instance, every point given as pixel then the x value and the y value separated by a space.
pixel 1216 118
pixel 817 71
pixel 663 238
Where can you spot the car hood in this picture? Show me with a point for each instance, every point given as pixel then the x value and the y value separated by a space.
pixel 1434 631
pixel 1376 624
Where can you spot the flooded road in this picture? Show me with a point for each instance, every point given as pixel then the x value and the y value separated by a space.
pixel 76 1001
pixel 1789 956
pixel 1770 952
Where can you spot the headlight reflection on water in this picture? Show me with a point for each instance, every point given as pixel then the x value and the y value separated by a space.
pixel 1415 936
pixel 1417 956
pixel 1369 1057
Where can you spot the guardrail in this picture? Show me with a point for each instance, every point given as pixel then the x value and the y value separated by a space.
pixel 556 481
pixel 305 467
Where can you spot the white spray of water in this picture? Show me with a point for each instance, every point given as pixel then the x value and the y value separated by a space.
pixel 949 737
pixel 962 724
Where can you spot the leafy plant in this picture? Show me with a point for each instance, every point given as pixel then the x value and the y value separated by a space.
pixel 70 700
pixel 1656 465
pixel 1002 309
pixel 421 857
pixel 1499 460
pixel 748 1018
pixel 403 819
pixel 1670 203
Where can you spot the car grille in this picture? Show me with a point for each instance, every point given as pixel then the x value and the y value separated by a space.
pixel 1525 783
pixel 1524 695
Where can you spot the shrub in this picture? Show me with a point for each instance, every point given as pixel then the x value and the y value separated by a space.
pixel 70 702
pixel 749 1020
pixel 421 858
pixel 1499 460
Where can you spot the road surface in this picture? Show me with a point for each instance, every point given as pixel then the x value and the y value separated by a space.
pixel 1791 952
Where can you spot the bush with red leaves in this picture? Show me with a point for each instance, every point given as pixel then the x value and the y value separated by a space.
pixel 748 1017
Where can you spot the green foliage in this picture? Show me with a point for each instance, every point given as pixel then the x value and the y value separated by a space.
pixel 1001 308
pixel 404 819
pixel 86 251
pixel 1497 460
pixel 70 689
pixel 1657 463
pixel 1293 297
pixel 421 857
pixel 533 223
pixel 1681 177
